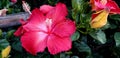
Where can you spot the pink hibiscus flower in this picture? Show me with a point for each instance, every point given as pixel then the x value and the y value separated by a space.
pixel 47 27
pixel 111 5
pixel 102 9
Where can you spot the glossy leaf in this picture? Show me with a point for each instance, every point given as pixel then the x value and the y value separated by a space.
pixel 3 43
pixel 99 36
pixel 76 17
pixel 78 5
pixel 63 55
pixel 1 34
pixel 17 46
pixel 74 57
pixel 83 47
pixel 106 26
pixel 75 36
pixel 117 51
pixel 117 38
pixel 10 33
pixel 115 17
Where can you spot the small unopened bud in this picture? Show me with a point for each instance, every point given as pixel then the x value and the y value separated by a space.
pixel 3 12
pixel 26 7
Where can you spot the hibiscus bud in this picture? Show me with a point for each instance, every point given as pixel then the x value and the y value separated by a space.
pixel 99 19
pixel 14 1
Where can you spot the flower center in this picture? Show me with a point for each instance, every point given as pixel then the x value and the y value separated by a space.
pixel 49 24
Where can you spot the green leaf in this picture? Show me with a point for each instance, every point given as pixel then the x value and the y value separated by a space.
pixel 117 51
pixel 75 36
pixel 113 26
pixel 52 2
pixel 106 26
pixel 78 5
pixel 0 34
pixel 64 55
pixel 0 56
pixel 117 38
pixel 99 36
pixel 115 17
pixel 83 47
pixel 74 57
pixel 17 46
pixel 42 55
pixel 57 56
pixel 10 33
pixel 69 52
pixel 30 56
pixel 76 17
pixel 3 43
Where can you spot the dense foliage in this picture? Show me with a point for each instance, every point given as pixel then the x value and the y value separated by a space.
pixel 87 42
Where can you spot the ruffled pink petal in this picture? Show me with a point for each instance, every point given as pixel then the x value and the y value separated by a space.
pixel 114 8
pixel 66 28
pixel 19 31
pixel 46 8
pixel 36 22
pixel 112 5
pixel 115 11
pixel 56 44
pixel 36 17
pixel 58 13
pixel 34 42
pixel 40 27
pixel 99 4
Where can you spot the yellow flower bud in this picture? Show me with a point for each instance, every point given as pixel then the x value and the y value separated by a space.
pixel 100 20
pixel 6 52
